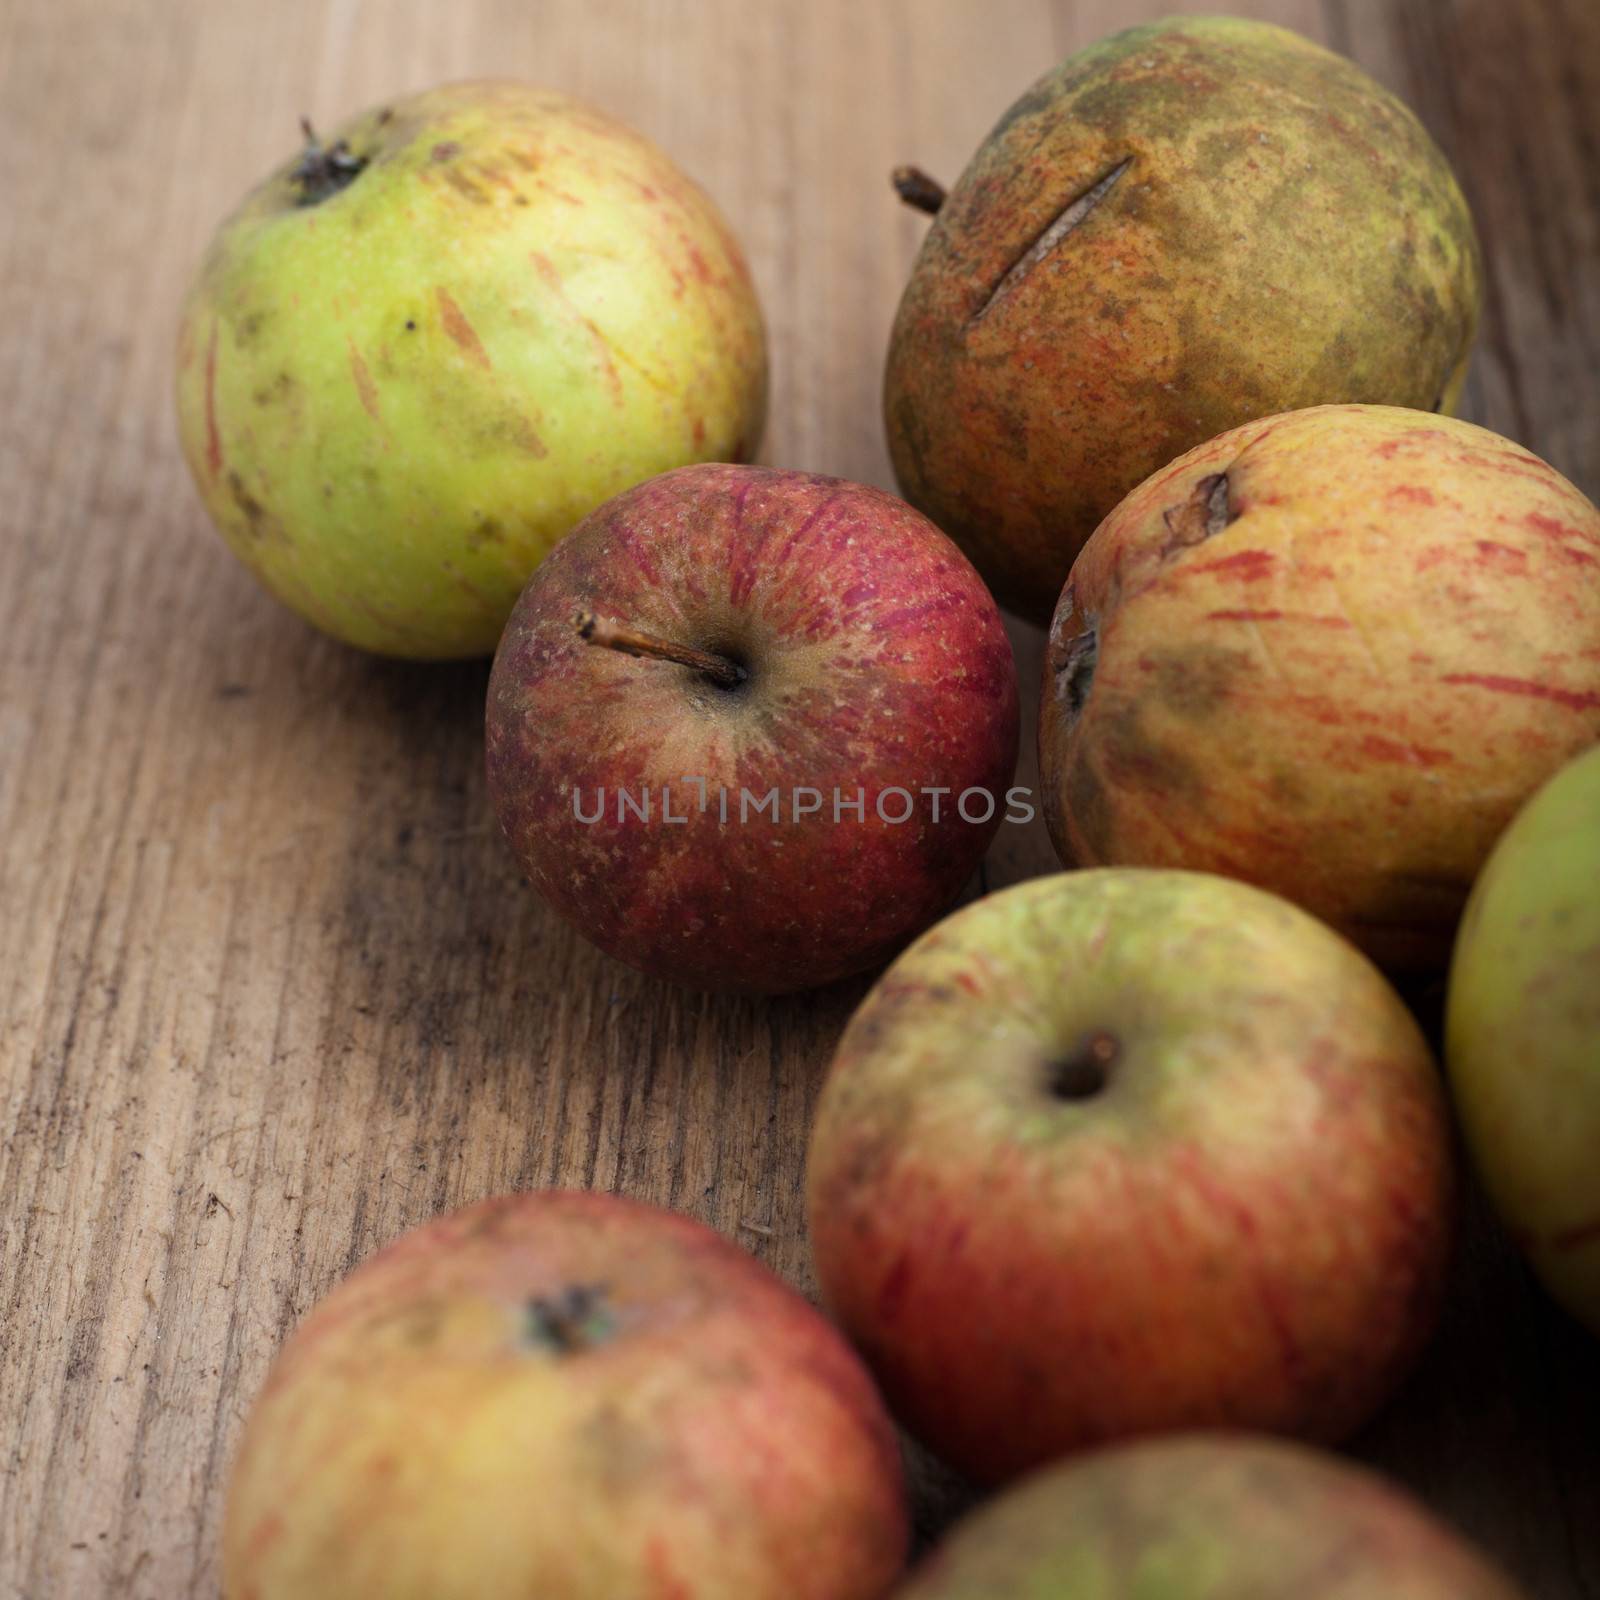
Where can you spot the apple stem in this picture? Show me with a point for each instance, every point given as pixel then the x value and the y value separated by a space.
pixel 916 188
pixel 323 170
pixel 577 1318
pixel 720 670
pixel 1086 1069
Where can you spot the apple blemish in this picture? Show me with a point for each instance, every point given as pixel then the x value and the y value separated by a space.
pixel 576 1319
pixel 1202 516
pixel 1075 672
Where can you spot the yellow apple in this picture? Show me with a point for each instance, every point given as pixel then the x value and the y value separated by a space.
pixel 572 1396
pixel 417 354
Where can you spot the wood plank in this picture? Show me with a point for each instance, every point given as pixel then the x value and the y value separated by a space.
pixel 270 991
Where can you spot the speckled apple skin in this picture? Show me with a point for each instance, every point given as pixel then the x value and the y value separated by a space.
pixel 877 659
pixel 417 1440
pixel 1345 693
pixel 394 401
pixel 1284 234
pixel 1247 1227
pixel 1205 1517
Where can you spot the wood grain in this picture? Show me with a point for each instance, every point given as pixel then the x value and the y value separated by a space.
pixel 270 991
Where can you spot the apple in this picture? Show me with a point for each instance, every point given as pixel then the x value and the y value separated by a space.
pixel 1330 653
pixel 1522 1031
pixel 1126 1151
pixel 801 759
pixel 1205 1517
pixel 571 1395
pixel 420 351
pixel 1187 225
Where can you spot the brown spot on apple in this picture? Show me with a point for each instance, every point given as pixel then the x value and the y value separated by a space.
pixel 1194 683
pixel 454 322
pixel 365 387
pixel 258 523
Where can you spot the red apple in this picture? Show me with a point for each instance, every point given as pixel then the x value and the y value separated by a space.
pixel 565 1394
pixel 1205 1517
pixel 809 778
pixel 1331 652
pixel 1121 1151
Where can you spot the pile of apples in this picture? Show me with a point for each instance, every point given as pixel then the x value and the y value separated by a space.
pixel 1129 1187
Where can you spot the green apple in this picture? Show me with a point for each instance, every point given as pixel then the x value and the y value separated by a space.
pixel 416 355
pixel 1522 1032
pixel 1205 1517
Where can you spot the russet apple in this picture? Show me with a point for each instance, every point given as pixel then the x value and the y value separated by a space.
pixel 418 353
pixel 1123 1151
pixel 1187 225
pixel 1522 1031
pixel 811 771
pixel 570 1395
pixel 1330 652
pixel 1205 1517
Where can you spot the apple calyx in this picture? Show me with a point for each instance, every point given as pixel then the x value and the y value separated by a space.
pixel 1085 1070
pixel 917 189
pixel 719 669
pixel 323 170
pixel 575 1319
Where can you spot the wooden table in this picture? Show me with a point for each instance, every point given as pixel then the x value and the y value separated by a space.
pixel 270 990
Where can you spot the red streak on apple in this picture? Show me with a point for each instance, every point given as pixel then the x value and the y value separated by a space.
pixel 1248 566
pixel 1584 700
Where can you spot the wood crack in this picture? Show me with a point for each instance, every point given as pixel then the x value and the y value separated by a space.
pixel 1067 221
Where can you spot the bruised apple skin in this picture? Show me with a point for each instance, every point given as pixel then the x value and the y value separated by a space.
pixel 1119 1152
pixel 569 1395
pixel 417 354
pixel 1205 1517
pixel 862 656
pixel 1522 1032
pixel 1330 653
pixel 1185 226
